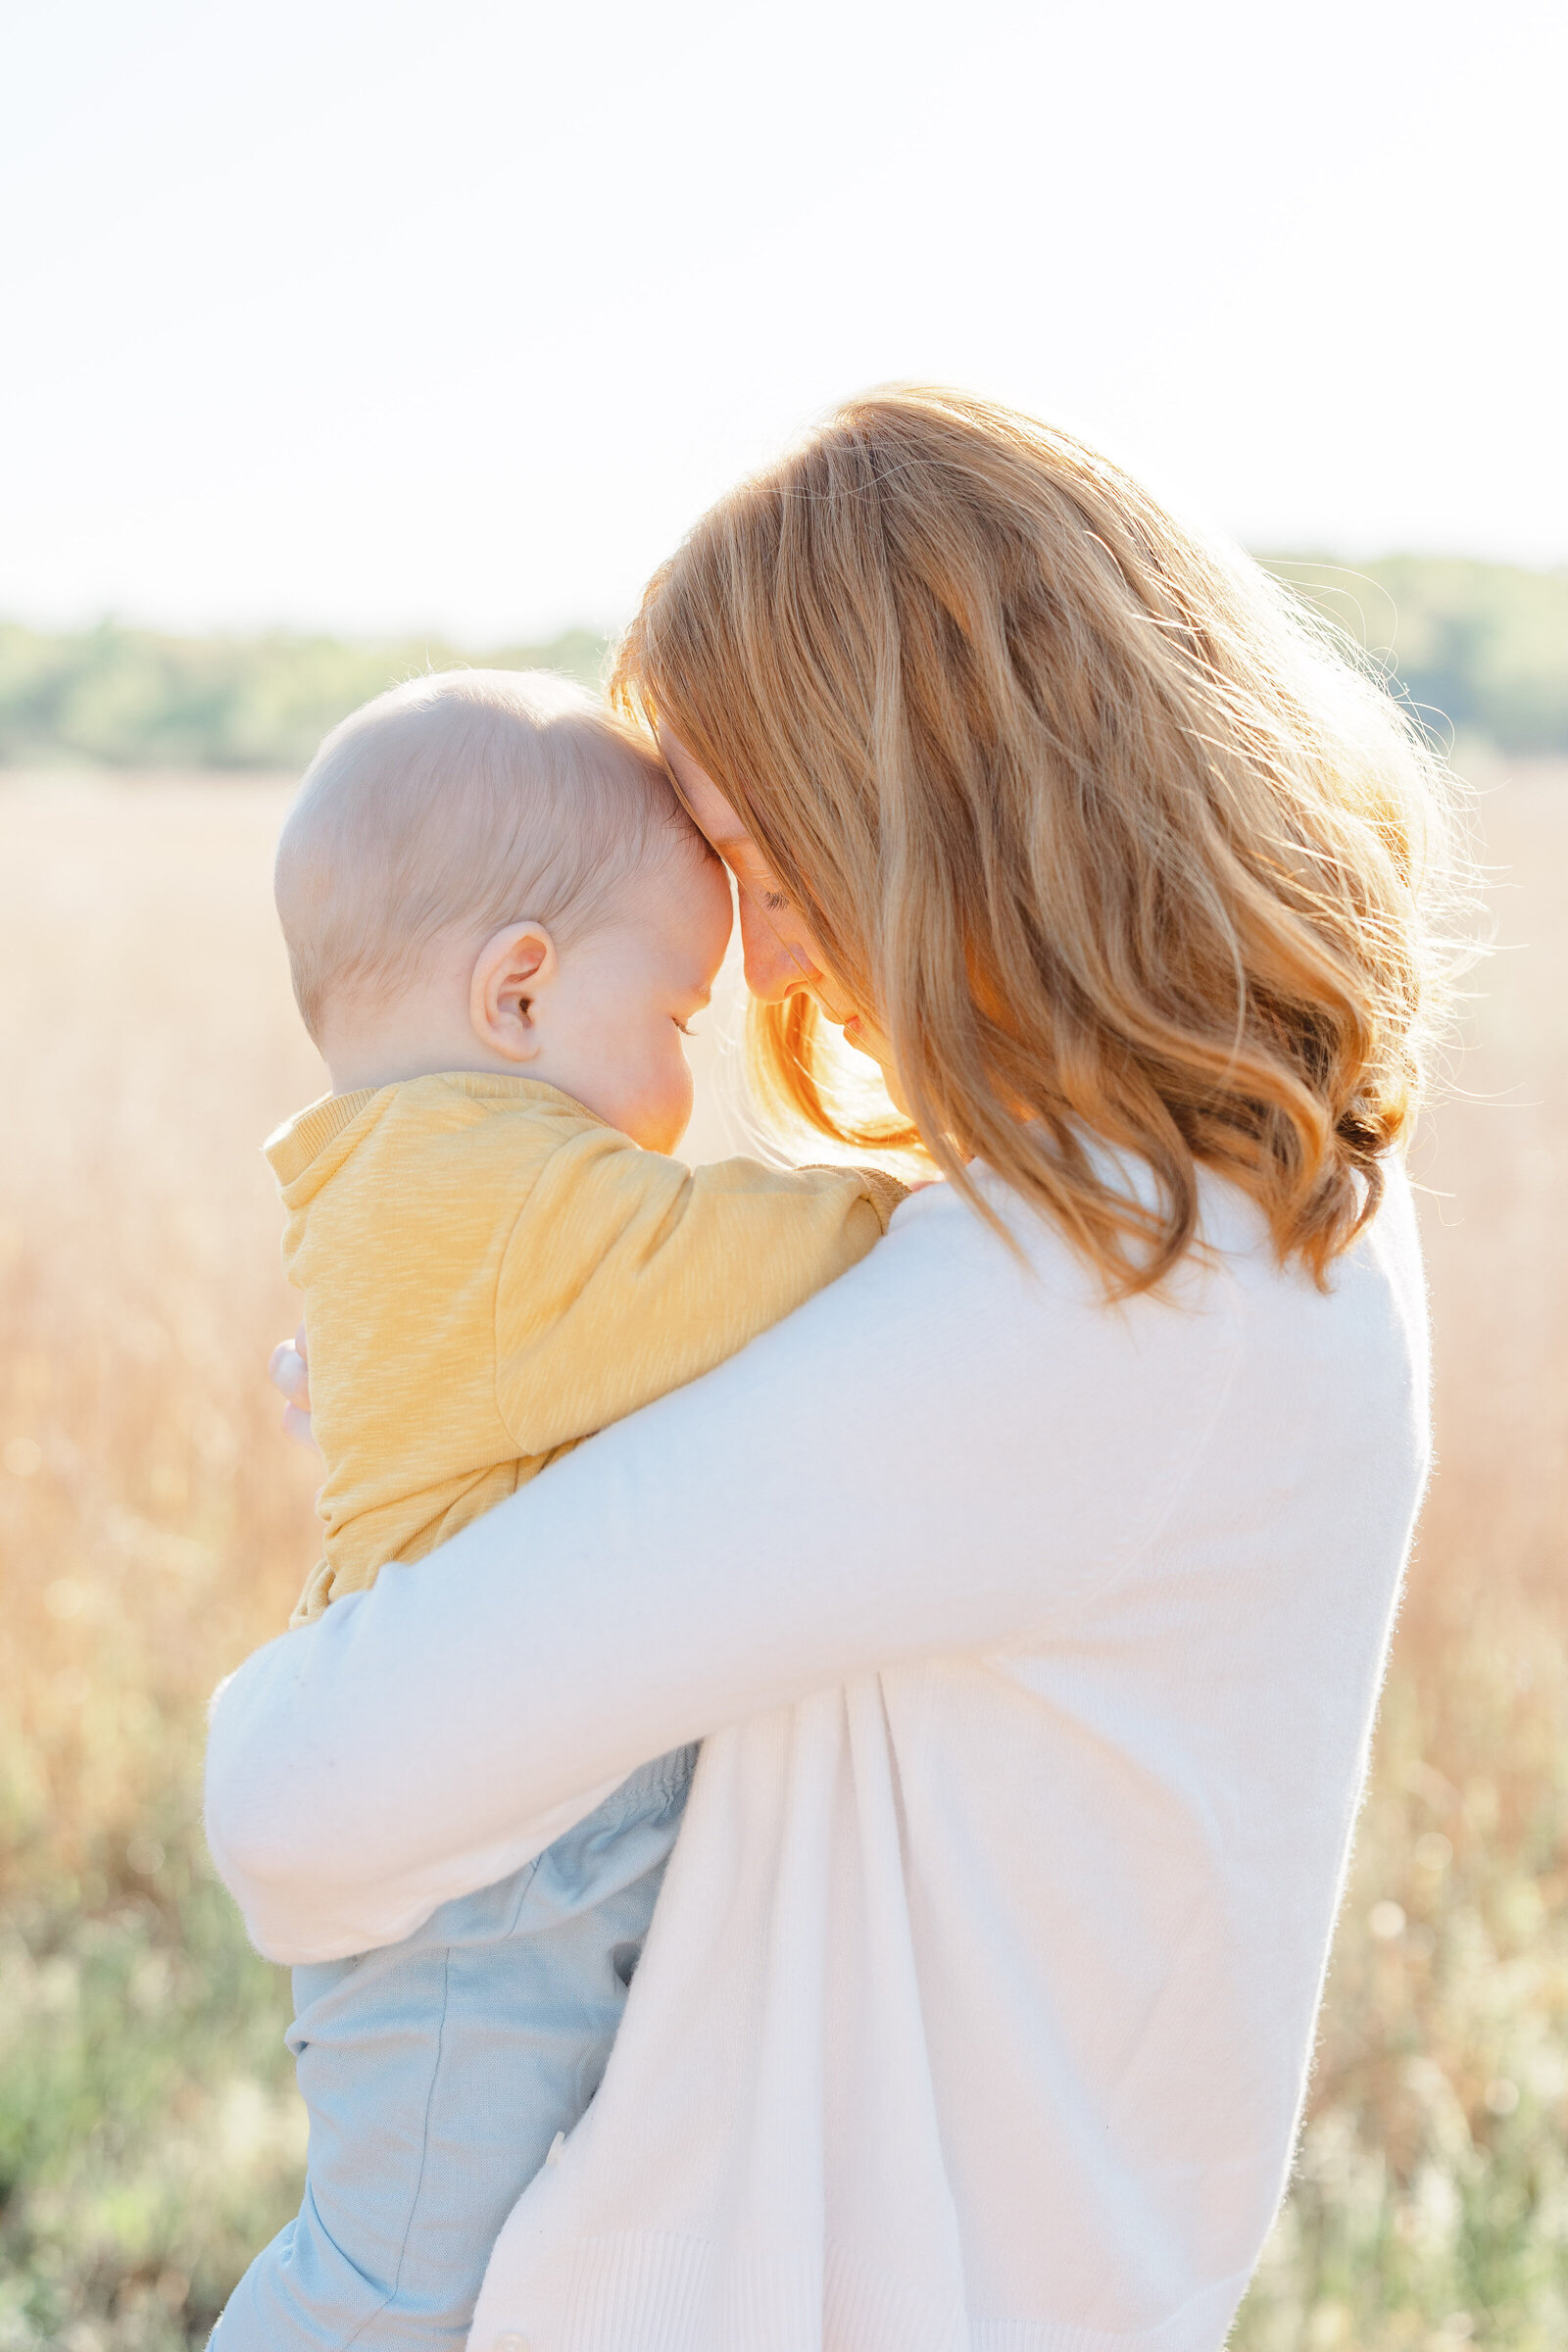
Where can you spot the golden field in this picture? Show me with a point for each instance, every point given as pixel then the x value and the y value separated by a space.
pixel 154 1526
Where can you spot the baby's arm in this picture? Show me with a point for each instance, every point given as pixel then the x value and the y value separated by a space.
pixel 628 1274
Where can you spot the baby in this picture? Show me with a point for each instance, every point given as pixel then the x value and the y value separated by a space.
pixel 500 922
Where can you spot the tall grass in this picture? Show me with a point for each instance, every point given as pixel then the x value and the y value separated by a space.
pixel 154 1526
pixel 1431 2204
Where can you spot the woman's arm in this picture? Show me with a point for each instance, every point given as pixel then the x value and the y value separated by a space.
pixel 865 1485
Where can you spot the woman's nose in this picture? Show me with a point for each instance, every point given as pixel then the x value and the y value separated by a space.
pixel 775 967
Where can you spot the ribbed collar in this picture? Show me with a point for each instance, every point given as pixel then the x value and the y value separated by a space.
pixel 291 1148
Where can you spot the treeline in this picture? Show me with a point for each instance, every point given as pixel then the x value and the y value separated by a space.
pixel 1477 649
pixel 119 697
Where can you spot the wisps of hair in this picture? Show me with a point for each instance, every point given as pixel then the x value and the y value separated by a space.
pixel 1114 844
pixel 461 802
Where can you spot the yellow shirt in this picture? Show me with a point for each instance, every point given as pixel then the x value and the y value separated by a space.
pixel 491 1274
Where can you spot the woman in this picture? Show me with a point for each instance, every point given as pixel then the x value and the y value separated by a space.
pixel 1030 1587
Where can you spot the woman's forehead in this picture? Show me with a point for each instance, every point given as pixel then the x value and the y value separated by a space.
pixel 707 806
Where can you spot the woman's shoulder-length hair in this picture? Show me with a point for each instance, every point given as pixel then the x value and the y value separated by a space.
pixel 1115 844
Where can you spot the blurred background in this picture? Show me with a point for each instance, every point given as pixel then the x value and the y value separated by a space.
pixel 345 339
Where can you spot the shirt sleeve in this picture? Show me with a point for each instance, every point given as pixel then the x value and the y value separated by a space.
pixel 930 1457
pixel 628 1274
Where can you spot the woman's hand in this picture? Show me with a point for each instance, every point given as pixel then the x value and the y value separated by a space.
pixel 289 1373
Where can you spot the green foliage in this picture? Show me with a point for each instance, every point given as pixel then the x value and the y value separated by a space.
pixel 150 2135
pixel 130 698
pixel 1429 2209
pixel 1479 649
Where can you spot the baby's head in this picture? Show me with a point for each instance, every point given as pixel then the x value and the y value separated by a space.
pixel 483 870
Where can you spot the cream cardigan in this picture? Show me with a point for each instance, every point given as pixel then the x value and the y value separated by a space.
pixel 1035 1645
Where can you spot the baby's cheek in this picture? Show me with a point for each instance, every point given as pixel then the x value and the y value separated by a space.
pixel 680 1092
pixel 664 1094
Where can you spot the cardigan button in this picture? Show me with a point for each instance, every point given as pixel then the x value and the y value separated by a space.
pixel 512 2343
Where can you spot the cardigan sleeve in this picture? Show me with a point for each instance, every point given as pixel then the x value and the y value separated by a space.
pixel 929 1458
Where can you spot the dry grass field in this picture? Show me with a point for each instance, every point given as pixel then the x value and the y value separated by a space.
pixel 154 1526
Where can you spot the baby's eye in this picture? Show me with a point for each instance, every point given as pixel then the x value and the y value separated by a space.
pixel 773 900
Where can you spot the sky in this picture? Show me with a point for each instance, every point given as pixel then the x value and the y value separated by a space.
pixel 366 315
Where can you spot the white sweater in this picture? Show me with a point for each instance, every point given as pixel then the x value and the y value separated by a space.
pixel 1035 1645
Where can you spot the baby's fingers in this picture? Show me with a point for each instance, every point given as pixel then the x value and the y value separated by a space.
pixel 289 1373
pixel 297 1424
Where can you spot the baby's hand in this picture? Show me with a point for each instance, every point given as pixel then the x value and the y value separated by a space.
pixel 289 1373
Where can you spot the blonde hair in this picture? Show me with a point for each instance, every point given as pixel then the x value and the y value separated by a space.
pixel 1111 844
pixel 459 802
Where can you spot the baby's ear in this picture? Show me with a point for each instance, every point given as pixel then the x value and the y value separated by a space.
pixel 512 968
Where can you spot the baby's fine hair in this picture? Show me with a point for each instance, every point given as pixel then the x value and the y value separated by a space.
pixel 455 804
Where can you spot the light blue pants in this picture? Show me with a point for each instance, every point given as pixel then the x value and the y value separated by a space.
pixel 436 2073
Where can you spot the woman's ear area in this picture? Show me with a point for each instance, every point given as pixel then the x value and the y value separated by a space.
pixel 511 969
